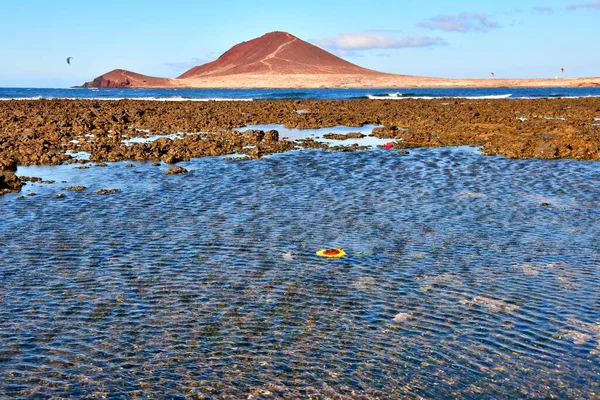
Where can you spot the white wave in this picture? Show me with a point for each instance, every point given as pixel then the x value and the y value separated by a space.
pixel 24 98
pixel 179 99
pixel 398 96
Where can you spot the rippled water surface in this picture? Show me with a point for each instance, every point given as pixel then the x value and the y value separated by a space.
pixel 466 276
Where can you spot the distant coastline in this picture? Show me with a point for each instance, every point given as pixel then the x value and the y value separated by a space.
pixel 281 60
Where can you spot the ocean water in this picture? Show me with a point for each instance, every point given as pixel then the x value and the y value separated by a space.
pixel 466 276
pixel 266 94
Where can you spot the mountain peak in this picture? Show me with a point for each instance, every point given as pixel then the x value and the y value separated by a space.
pixel 275 53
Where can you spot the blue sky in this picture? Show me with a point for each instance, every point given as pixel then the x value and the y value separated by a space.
pixel 429 37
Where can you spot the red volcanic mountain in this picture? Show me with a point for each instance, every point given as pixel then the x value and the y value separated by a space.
pixel 118 78
pixel 275 53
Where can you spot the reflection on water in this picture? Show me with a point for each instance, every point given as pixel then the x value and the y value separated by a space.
pixel 317 134
pixel 466 275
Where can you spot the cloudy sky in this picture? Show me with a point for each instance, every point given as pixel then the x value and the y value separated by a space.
pixel 458 38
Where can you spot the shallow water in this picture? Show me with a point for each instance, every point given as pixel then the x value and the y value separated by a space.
pixel 317 134
pixel 466 276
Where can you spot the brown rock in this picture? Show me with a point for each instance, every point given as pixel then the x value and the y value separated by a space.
pixel 106 191
pixel 170 159
pixel 546 149
pixel 9 182
pixel 271 136
pixel 344 136
pixel 253 136
pixel 9 165
pixel 177 170
pixel 76 188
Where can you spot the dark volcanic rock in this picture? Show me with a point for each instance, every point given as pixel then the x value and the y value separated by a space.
pixel 171 159
pixel 177 170
pixel 9 182
pixel 40 132
pixel 31 179
pixel 344 136
pixel 9 165
pixel 106 191
pixel 271 136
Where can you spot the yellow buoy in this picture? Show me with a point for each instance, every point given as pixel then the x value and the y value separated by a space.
pixel 332 253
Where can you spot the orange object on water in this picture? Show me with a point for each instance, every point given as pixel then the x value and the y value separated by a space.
pixel 332 253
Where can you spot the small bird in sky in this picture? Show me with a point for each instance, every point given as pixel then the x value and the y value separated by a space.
pixel 69 60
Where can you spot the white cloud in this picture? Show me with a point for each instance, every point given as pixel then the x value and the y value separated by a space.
pixel 463 22
pixel 368 41
pixel 594 4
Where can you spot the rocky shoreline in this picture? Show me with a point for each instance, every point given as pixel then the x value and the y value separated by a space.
pixel 50 132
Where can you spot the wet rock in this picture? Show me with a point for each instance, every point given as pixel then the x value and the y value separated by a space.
pixel 271 136
pixel 106 191
pixel 255 152
pixel 40 132
pixel 9 182
pixel 60 195
pixel 171 159
pixel 129 166
pixel 31 179
pixel 401 317
pixel 403 152
pixel 9 165
pixel 253 136
pixel 156 164
pixel 76 188
pixel 546 149
pixel 101 164
pixel 176 171
pixel 344 136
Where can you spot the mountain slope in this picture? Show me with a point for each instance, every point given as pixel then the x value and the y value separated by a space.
pixel 275 53
pixel 121 78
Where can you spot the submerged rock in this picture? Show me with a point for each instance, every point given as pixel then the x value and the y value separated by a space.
pixel 106 191
pixel 401 317
pixel 176 171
